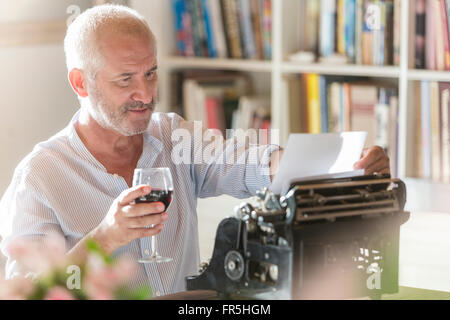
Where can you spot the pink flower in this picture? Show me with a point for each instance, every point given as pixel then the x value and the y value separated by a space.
pixel 59 293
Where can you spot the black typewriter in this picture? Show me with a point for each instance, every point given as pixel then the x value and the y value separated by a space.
pixel 324 239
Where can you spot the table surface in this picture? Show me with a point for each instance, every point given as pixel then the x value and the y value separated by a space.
pixel 405 293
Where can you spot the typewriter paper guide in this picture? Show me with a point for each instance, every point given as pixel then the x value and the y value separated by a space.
pixel 318 156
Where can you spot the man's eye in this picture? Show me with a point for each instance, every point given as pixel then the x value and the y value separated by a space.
pixel 150 75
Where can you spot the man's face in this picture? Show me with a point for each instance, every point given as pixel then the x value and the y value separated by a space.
pixel 123 93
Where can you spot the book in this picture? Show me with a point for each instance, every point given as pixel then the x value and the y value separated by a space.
pixel 363 98
pixel 334 107
pixel 430 43
pixel 215 117
pixel 445 31
pixel 369 21
pixel 313 103
pixel 298 116
pixel 208 29
pixel 179 10
pixel 256 14
pixel 359 20
pixel 425 114
pixel 340 27
pixel 350 24
pixel 233 33
pixel 444 94
pixel 419 41
pixel 435 132
pixel 312 27
pixel 323 104
pixel 247 36
pixel 267 28
pixel 327 27
pixel 439 36
pixel 217 29
pixel 396 35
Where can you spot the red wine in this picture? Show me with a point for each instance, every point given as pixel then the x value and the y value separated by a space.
pixel 164 196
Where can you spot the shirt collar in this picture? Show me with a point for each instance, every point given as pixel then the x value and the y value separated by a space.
pixel 151 149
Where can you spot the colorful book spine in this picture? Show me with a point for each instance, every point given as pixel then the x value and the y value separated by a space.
pixel 218 30
pixel 439 36
pixel 208 29
pixel 179 10
pixel 267 28
pixel 327 25
pixel 248 39
pixel 420 34
pixel 350 24
pixel 445 32
pixel 232 28
pixel 397 23
pixel 314 117
pixel 323 104
pixel 359 31
pixel 341 19
pixel 430 43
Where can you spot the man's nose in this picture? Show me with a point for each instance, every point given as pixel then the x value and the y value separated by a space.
pixel 143 92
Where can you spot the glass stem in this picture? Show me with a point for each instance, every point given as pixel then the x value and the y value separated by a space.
pixel 154 251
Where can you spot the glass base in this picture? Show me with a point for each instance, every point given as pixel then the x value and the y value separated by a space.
pixel 155 259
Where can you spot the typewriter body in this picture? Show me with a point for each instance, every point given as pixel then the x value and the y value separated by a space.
pixel 324 239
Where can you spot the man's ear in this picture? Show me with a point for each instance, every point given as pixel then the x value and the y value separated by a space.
pixel 78 83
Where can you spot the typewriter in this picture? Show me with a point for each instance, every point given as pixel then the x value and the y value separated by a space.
pixel 324 239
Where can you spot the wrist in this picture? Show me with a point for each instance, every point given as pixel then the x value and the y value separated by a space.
pixel 105 243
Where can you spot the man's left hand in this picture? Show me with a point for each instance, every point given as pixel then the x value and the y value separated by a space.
pixel 373 160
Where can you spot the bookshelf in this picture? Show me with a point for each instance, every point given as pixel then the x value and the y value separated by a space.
pixel 286 37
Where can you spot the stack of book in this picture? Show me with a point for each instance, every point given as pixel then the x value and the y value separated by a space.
pixel 352 31
pixel 320 104
pixel 220 100
pixel 432 30
pixel 239 29
pixel 432 134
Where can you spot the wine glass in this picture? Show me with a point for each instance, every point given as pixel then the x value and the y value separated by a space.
pixel 160 182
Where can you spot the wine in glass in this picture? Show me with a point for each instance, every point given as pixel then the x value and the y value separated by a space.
pixel 160 182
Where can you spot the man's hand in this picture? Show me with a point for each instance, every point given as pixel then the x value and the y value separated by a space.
pixel 127 220
pixel 373 160
pixel 124 222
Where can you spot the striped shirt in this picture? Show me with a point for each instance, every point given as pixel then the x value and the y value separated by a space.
pixel 60 187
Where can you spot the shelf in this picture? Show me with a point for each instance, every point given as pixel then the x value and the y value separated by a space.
pixel 427 195
pixel 429 75
pixel 346 69
pixel 223 64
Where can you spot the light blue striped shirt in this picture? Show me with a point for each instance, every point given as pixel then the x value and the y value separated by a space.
pixel 60 187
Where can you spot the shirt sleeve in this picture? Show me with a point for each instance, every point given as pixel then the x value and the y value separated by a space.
pixel 24 215
pixel 218 166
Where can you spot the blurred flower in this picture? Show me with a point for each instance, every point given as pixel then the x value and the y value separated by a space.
pixel 50 275
pixel 59 293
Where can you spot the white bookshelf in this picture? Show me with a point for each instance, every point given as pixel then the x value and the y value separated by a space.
pixel 286 37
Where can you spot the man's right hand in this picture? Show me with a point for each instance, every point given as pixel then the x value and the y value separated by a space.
pixel 127 220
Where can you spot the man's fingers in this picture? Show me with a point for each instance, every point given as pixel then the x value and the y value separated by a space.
pixel 145 221
pixel 371 156
pixel 131 194
pixel 381 166
pixel 143 209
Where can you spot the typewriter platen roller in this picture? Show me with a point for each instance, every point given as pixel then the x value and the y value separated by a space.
pixel 325 239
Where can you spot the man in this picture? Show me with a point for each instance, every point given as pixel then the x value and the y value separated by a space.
pixel 78 183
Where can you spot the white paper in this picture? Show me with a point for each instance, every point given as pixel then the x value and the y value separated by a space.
pixel 319 156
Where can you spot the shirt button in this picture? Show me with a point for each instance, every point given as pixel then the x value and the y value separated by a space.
pixel 116 176
pixel 158 293
pixel 147 252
